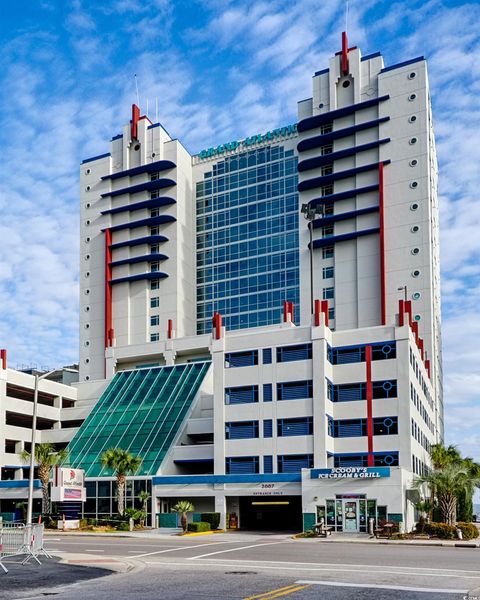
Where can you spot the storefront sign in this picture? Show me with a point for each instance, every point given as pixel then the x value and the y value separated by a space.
pixel 249 141
pixel 268 489
pixel 350 473
pixel 68 484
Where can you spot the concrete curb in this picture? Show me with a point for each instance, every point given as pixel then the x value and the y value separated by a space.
pixel 195 533
pixel 392 542
pixel 114 564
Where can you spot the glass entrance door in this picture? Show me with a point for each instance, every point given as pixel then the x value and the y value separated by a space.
pixel 350 515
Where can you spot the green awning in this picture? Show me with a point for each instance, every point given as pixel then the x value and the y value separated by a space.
pixel 141 411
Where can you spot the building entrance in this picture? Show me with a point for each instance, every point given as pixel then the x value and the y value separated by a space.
pixel 350 512
pixel 271 513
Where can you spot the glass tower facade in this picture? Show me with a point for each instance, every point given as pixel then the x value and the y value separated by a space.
pixel 247 238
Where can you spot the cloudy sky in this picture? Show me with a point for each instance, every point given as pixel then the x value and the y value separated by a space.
pixel 220 70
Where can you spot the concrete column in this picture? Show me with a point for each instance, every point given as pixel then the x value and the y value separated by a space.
pixel 221 507
pixel 320 431
pixel 217 350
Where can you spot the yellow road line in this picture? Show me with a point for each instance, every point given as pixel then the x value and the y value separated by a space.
pixel 278 593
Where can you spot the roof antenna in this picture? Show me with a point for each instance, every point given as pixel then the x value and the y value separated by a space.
pixel 147 109
pixel 346 16
pixel 136 89
pixel 156 109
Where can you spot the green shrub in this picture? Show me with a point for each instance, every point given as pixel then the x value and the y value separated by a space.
pixel 83 523
pixel 122 526
pixel 469 530
pixel 213 518
pixel 198 527
pixel 441 530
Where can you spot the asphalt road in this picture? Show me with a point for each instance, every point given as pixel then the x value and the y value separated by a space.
pixel 257 567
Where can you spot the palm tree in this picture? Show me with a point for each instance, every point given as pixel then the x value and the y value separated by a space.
pixel 183 507
pixel 46 458
pixel 449 483
pixel 144 498
pixel 123 463
pixel 441 457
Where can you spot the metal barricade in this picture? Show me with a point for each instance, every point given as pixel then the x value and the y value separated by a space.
pixel 17 540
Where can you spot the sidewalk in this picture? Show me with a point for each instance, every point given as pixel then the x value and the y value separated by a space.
pixel 363 538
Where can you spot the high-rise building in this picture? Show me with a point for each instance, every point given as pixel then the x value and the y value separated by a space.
pixel 263 318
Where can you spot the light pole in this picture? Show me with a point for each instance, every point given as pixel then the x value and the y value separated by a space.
pixel 32 449
pixel 404 289
pixel 310 212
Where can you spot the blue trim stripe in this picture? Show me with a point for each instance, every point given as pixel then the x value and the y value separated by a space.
pixel 149 276
pixel 19 483
pixel 246 478
pixel 319 161
pixel 161 220
pixel 326 138
pixel 322 72
pixel 403 64
pixel 87 160
pixel 153 203
pixel 139 259
pixel 373 55
pixel 115 137
pixel 343 195
pixel 151 239
pixel 149 186
pixel 343 216
pixel 318 120
pixel 334 239
pixel 310 184
pixel 159 165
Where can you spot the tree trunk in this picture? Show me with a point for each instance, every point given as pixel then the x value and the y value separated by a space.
pixel 184 521
pixel 448 507
pixel 121 493
pixel 44 475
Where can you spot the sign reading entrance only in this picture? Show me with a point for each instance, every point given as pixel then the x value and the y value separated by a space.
pixel 350 473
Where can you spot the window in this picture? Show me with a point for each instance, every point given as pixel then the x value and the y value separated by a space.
pixel 385 426
pixel 326 190
pixel 267 428
pixel 328 210
pixel 326 128
pixel 241 359
pixel 241 430
pixel 295 426
pixel 327 169
pixel 328 293
pixel 268 464
pixel 328 272
pixel 295 390
pixel 327 149
pixel 154 302
pixel 241 395
pixel 331 314
pixel 412 97
pixel 154 321
pixel 154 337
pixel 294 463
pixel 327 252
pixel 241 464
pixel 293 353
pixel 154 249
pixel 155 176
pixel 267 356
pixel 267 392
pixel 155 284
pixel 154 267
pixel 154 212
pixel 154 230
pixel 327 231
pixel 380 459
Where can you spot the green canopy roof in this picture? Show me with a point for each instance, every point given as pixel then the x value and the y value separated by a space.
pixel 141 411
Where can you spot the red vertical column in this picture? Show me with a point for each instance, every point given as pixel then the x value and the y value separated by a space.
pixel 401 313
pixel 344 53
pixel 170 329
pixel 317 311
pixel 108 290
pixel 3 358
pixel 368 362
pixel 325 312
pixel 381 201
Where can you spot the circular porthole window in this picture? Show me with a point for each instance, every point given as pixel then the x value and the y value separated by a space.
pixel 413 163
pixel 87 189
pixel 87 343
pixel 87 308
pixel 87 239
pixel 87 274
pixel 414 206
pixel 416 296
pixel 87 360
pixel 87 325
pixel 412 141
pixel 136 147
pixel 87 291
pixel 415 251
pixel 417 317
pixel 412 97
pixel 415 228
pixel 412 75
pixel 88 171
pixel 87 256
pixel 87 378
pixel 321 105
pixel 346 84
pixel 153 155
pixel 414 184
pixel 415 273
pixel 88 205
pixel 87 222
pixel 412 119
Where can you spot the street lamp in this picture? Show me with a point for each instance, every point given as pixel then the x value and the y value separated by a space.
pixel 310 212
pixel 32 449
pixel 404 289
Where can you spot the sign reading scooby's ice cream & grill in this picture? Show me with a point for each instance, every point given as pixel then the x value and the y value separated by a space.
pixel 351 473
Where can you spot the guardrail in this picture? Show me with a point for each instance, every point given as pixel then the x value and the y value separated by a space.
pixel 19 539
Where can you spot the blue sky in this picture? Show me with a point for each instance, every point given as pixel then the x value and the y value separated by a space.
pixel 220 70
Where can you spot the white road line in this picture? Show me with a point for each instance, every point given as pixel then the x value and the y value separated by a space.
pixel 90 550
pixel 181 548
pixel 240 564
pixel 235 549
pixel 382 587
